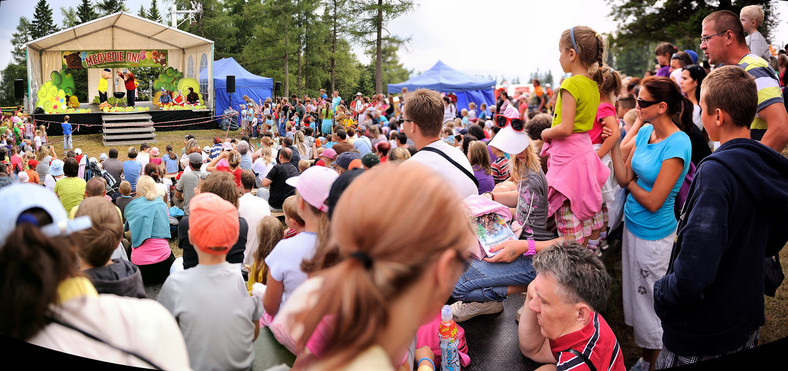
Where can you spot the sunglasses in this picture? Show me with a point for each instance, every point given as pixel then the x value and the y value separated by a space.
pixel 642 103
pixel 501 121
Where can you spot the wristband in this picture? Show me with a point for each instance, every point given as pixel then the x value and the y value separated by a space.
pixel 531 248
pixel 425 359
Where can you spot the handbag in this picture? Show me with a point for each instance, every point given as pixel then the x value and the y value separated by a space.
pixel 772 275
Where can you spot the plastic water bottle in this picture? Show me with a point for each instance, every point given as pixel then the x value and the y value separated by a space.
pixel 447 332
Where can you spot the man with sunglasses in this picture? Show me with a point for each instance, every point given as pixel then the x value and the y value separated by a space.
pixel 422 120
pixel 722 40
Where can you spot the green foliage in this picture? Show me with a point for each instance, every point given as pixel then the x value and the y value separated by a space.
pixel 107 7
pixel 86 12
pixel 23 35
pixel 10 73
pixel 153 12
pixel 43 24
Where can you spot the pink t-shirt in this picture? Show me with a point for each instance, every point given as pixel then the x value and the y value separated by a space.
pixel 156 161
pixel 604 110
pixel 152 251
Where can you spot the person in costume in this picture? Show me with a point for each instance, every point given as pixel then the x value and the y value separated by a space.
pixel 102 86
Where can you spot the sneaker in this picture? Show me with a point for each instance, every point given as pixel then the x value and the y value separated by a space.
pixel 518 314
pixel 465 311
pixel 640 365
pixel 603 245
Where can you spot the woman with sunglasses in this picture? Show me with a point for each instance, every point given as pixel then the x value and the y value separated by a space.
pixel 653 173
pixel 391 282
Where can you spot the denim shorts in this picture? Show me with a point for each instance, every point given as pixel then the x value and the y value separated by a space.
pixel 485 281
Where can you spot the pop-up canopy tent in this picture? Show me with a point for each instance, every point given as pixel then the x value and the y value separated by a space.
pixel 445 79
pixel 115 41
pixel 246 83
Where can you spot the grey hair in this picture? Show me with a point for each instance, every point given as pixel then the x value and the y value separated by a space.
pixel 242 147
pixel 581 276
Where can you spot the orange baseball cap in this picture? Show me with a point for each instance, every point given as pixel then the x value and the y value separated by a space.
pixel 213 222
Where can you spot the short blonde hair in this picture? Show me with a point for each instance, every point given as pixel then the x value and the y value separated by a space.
pixel 754 12
pixel 290 210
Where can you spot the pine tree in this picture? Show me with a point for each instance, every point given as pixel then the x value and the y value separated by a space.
pixel 142 13
pixel 23 35
pixel 85 12
pixel 107 7
pixel 43 24
pixel 153 13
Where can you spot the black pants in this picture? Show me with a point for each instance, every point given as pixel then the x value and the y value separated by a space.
pixel 156 273
pixel 130 97
pixel 102 97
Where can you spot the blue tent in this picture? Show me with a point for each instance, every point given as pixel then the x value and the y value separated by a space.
pixel 445 79
pixel 256 87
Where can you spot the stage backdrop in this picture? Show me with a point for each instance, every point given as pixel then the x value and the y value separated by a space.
pixel 118 40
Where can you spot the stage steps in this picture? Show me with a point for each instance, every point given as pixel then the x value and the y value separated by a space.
pixel 127 128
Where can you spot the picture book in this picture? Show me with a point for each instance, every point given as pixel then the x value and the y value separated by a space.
pixel 491 230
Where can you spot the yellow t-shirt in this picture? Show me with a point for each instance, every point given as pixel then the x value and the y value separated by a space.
pixel 586 94
pixel 102 85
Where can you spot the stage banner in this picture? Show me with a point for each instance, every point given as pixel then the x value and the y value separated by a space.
pixel 114 58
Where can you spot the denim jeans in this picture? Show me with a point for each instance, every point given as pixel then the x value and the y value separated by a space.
pixel 485 281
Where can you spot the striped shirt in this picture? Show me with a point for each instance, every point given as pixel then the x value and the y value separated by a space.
pixel 596 342
pixel 767 83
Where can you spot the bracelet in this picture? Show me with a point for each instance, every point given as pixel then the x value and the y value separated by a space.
pixel 428 360
pixel 531 248
pixel 492 196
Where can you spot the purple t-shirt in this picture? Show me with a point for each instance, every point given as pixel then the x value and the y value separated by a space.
pixel 486 182
pixel 664 71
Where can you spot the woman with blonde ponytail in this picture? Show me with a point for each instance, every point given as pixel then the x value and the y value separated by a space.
pixel 146 216
pixel 96 245
pixel 389 282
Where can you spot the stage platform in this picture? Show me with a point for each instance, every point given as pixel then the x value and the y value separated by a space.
pixel 164 120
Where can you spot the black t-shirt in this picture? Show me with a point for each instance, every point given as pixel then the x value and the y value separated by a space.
pixel 235 255
pixel 280 190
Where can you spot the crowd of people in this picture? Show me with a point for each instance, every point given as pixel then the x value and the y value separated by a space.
pixel 297 224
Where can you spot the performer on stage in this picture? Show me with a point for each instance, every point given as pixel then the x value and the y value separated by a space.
pixel 131 87
pixel 192 97
pixel 102 86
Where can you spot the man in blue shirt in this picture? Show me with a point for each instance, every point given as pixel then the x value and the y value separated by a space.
pixel 132 169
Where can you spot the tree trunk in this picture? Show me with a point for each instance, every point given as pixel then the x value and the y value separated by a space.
pixel 378 45
pixel 334 47
pixel 287 66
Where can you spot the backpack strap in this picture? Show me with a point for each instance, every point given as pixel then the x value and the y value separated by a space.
pixel 464 170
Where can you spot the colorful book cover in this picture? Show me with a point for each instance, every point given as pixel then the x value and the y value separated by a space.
pixel 491 230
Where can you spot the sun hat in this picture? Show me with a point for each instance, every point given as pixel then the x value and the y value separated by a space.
pixel 21 197
pixel 227 146
pixel 313 185
pixel 213 222
pixel 22 177
pixel 56 168
pixel 510 141
pixel 78 151
pixel 154 151
pixel 329 153
pixel 103 156
pixel 206 149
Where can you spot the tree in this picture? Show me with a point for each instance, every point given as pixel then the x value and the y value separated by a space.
pixel 142 13
pixel 11 72
pixel 337 15
pixel 70 17
pixel 107 7
pixel 85 12
pixel 42 21
pixel 153 12
pixel 23 35
pixel 392 70
pixel 371 19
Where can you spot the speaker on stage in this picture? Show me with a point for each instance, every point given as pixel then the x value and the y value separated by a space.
pixel 231 83
pixel 277 88
pixel 19 89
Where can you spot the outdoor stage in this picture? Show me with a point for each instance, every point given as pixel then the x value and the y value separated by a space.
pixel 163 120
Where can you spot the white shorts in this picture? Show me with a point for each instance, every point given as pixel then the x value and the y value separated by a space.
pixel 642 264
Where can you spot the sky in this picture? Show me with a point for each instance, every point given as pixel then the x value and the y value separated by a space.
pixel 465 34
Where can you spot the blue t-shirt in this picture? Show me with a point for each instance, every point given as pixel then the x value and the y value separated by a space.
pixel 131 172
pixel 66 128
pixel 646 163
pixel 172 165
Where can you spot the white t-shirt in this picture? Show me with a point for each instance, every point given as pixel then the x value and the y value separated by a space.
pixel 143 159
pixel 461 182
pixel 215 313
pixel 252 209
pixel 261 168
pixel 696 117
pixel 284 261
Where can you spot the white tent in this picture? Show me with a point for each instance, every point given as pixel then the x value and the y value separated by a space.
pixel 120 31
